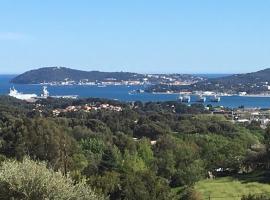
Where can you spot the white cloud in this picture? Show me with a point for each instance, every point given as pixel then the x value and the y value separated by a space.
pixel 11 36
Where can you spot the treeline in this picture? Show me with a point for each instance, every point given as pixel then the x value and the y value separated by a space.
pixel 145 151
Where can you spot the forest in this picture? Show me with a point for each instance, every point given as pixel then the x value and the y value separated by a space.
pixel 152 150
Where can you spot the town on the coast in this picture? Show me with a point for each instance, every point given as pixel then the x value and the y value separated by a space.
pixel 236 115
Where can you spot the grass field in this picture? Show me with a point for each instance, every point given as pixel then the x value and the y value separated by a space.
pixel 230 188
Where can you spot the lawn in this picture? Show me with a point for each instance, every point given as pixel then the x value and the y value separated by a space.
pixel 230 188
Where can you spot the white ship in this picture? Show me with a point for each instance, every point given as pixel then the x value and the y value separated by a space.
pixel 215 98
pixel 184 99
pixel 201 99
pixel 180 98
pixel 18 95
pixel 30 97
pixel 45 93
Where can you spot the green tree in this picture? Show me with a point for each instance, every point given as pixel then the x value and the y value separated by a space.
pixel 145 185
pixel 31 180
pixel 145 151
pixel 132 162
pixel 111 159
pixel 107 183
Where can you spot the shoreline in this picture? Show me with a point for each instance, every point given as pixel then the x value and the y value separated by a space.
pixel 221 95
pixel 159 93
pixel 255 95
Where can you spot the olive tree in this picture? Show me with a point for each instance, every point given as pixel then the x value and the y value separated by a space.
pixel 33 180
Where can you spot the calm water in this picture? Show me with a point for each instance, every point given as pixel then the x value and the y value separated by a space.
pixel 121 93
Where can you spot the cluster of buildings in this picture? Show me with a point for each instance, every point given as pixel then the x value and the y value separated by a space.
pixel 173 79
pixel 98 83
pixel 246 115
pixel 87 108
pixel 144 79
pixel 252 114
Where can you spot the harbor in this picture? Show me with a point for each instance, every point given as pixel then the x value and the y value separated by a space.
pixel 121 93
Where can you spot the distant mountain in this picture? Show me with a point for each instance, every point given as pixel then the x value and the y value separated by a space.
pixel 58 74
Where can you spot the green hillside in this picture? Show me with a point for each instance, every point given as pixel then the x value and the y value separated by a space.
pixel 228 188
pixel 56 74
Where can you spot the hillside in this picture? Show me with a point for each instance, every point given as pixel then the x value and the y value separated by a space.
pixel 252 83
pixel 57 74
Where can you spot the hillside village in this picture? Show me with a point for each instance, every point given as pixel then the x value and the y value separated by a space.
pixel 87 108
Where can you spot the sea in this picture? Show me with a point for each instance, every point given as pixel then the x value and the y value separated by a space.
pixel 121 93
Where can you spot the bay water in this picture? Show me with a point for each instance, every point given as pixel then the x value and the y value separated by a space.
pixel 121 93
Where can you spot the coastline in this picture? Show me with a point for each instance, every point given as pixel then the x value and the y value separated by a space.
pixel 256 95
pixel 221 95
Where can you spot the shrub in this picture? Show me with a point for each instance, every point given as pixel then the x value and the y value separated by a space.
pixel 33 180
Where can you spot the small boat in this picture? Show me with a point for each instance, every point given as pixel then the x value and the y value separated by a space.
pixel 139 91
pixel 215 98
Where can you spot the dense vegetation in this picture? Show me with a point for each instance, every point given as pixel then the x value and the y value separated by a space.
pixel 145 151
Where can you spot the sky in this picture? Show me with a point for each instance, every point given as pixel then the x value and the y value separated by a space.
pixel 146 36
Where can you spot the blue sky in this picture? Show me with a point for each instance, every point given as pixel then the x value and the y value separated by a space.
pixel 183 36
